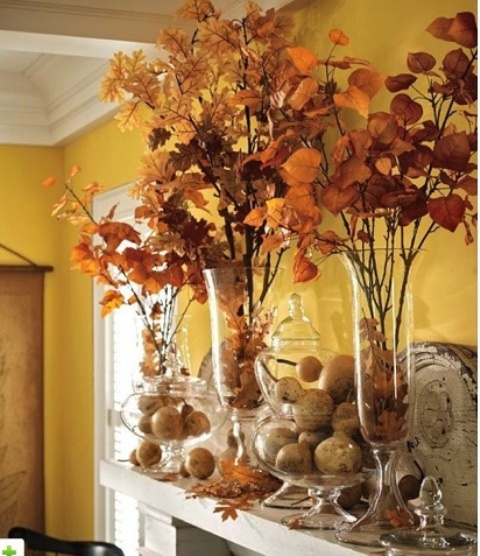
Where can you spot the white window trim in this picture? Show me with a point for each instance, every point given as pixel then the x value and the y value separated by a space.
pixel 103 448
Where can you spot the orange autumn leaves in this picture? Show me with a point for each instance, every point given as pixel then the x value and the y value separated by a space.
pixel 114 253
pixel 273 150
pixel 384 388
pixel 363 83
pixel 298 209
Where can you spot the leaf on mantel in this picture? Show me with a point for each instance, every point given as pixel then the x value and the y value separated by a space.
pixel 229 508
pixel 398 518
pixel 168 478
pixel 239 492
pixel 227 512
pixel 294 523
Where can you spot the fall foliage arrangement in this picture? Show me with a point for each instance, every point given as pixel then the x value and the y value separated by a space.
pixel 391 182
pixel 250 143
pixel 208 110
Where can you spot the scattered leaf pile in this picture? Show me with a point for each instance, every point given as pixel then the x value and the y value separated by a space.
pixel 238 490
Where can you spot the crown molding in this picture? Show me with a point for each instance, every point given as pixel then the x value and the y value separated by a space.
pixel 57 96
pixel 84 20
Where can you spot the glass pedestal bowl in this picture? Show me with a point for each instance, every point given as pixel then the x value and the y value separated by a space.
pixel 295 354
pixel 174 413
pixel 278 449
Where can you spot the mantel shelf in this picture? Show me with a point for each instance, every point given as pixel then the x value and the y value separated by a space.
pixel 257 530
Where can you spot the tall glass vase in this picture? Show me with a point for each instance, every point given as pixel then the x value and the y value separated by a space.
pixel 384 367
pixel 242 311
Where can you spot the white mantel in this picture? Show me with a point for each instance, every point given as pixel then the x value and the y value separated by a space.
pixel 176 525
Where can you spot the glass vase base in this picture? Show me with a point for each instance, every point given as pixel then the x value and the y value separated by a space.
pixel 320 521
pixel 325 514
pixel 289 497
pixel 424 543
pixel 432 552
pixel 366 531
pixel 433 535
pixel 168 468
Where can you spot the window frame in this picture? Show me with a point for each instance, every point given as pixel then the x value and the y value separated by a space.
pixel 104 414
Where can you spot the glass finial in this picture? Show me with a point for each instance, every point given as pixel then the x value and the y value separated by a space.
pixel 431 536
pixel 297 327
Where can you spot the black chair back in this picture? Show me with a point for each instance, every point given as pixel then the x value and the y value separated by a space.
pixel 38 543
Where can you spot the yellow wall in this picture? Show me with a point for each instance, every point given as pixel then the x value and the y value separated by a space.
pixel 111 158
pixel 446 289
pixel 26 227
pixel 384 32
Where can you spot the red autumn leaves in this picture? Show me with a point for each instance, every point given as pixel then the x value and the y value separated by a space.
pixel 406 163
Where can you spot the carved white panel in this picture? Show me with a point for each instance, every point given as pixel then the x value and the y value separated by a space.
pixel 444 431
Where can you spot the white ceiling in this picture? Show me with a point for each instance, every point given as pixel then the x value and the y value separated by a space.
pixel 53 55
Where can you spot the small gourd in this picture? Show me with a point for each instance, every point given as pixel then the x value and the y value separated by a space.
pixel 338 454
pixel 337 378
pixel 275 440
pixel 313 410
pixel 294 458
pixel 196 423
pixel 200 463
pixel 345 418
pixel 167 423
pixel 148 454
pixel 288 389
pixel 308 368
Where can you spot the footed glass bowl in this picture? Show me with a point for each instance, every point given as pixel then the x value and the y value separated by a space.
pixel 174 413
pixel 278 449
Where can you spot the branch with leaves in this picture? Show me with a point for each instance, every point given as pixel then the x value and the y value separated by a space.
pixel 401 176
pixel 248 146
pixel 133 270
pixel 207 107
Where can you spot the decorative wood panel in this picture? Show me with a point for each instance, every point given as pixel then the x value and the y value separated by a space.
pixel 21 399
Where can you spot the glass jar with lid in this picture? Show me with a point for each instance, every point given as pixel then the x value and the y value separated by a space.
pixel 295 355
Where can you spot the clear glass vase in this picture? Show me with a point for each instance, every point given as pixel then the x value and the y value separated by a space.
pixel 171 413
pixel 242 310
pixel 163 351
pixel 280 449
pixel 432 536
pixel 170 410
pixel 384 367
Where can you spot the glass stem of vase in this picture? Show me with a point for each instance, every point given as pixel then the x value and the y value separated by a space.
pixel 239 436
pixel 386 496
